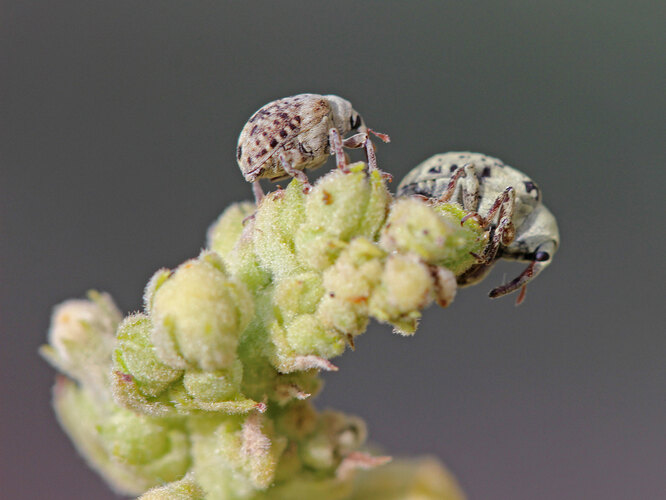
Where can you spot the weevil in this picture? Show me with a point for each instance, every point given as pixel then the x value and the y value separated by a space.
pixel 505 201
pixel 289 135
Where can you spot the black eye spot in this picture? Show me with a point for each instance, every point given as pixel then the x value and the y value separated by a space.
pixel 453 168
pixel 355 122
pixel 541 256
pixel 530 186
pixel 435 170
pixel 486 172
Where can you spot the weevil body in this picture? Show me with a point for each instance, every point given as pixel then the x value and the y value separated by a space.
pixel 289 135
pixel 503 199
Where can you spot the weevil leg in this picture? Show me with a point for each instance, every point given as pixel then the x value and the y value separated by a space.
pixel 470 188
pixel 385 138
pixel 530 272
pixel 503 234
pixel 258 192
pixel 465 176
pixel 500 234
pixel 451 188
pixel 336 147
pixel 513 285
pixel 363 140
pixel 504 203
pixel 297 174
pixel 370 152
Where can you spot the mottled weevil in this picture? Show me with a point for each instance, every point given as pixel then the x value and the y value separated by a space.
pixel 289 135
pixel 504 200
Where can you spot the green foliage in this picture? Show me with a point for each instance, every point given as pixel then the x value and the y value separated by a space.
pixel 207 392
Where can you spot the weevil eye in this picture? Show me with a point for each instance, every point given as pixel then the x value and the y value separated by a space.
pixel 541 256
pixel 355 121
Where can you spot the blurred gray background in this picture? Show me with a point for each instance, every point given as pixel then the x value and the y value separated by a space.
pixel 118 127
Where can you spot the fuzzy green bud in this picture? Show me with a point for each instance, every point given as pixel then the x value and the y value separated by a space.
pixel 341 206
pixel 433 233
pixel 407 286
pixel 81 340
pixel 198 315
pixel 245 451
pixel 135 355
pixel 132 451
pixel 349 284
pixel 303 344
pixel 299 294
pixel 185 489
pixel 274 226
pixel 218 385
pixel 306 335
pixel 337 435
pixel 225 232
pixel 137 439
pixel 423 479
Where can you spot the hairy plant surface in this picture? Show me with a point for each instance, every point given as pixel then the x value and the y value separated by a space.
pixel 207 392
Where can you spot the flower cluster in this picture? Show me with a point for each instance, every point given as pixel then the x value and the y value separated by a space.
pixel 206 393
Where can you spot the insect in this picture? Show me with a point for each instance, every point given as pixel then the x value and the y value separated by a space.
pixel 503 200
pixel 289 135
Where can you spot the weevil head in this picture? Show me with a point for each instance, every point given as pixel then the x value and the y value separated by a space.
pixel 345 118
pixel 536 241
pixel 537 238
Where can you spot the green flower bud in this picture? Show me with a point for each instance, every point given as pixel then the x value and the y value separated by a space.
pixel 198 315
pixel 307 336
pixel 433 233
pixel 319 453
pixel 137 439
pixel 185 489
pixel 309 485
pixel 133 452
pixel 297 421
pixel 347 432
pixel 246 451
pixel 225 232
pixel 304 344
pixel 244 263
pixel 340 207
pixel 424 479
pixel 135 355
pixel 219 385
pixel 407 286
pixel 274 226
pixel 156 281
pixel 337 435
pixel 213 440
pixel 349 284
pixel 299 294
pixel 81 340
pixel 287 469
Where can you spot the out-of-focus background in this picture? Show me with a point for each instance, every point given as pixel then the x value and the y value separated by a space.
pixel 118 129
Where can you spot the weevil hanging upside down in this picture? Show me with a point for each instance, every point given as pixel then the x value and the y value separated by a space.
pixel 503 200
pixel 289 135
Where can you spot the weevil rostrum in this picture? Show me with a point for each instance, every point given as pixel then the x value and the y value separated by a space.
pixel 505 201
pixel 289 135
